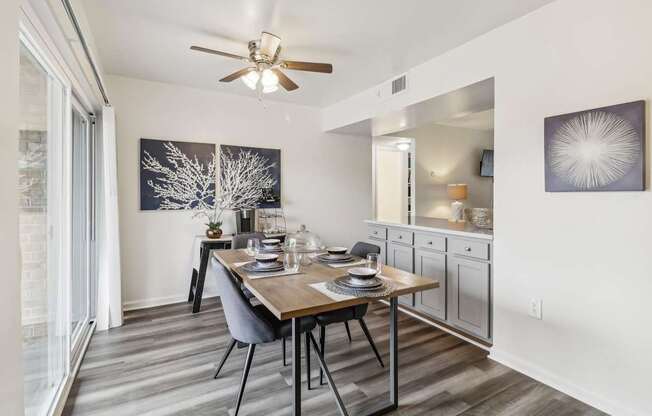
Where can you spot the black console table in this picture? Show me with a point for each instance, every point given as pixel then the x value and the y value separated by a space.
pixel 199 276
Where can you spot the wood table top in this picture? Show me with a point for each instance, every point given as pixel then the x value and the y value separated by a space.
pixel 292 296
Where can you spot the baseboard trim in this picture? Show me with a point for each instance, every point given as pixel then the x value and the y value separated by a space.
pixel 542 375
pixel 133 305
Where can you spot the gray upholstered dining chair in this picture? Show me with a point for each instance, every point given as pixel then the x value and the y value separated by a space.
pixel 358 312
pixel 251 325
pixel 240 240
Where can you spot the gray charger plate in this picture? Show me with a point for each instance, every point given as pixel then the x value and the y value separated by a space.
pixel 255 267
pixel 348 281
pixel 384 290
pixel 327 258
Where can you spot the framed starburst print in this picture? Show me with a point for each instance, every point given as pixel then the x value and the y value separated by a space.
pixel 596 150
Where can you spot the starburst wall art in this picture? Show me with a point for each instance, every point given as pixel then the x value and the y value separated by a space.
pixel 596 150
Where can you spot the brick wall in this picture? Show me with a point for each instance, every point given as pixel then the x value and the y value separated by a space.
pixel 33 231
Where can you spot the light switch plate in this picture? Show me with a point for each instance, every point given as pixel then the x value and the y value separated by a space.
pixel 535 308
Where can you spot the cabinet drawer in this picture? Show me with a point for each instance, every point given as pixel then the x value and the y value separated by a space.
pixel 430 241
pixel 400 236
pixel 469 248
pixel 377 231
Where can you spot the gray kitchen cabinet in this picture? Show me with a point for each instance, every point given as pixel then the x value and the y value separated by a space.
pixel 469 294
pixel 383 247
pixel 432 265
pixel 402 258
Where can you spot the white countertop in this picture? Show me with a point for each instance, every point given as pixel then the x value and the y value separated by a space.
pixel 465 229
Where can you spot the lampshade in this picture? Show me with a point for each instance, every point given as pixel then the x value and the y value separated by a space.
pixel 457 191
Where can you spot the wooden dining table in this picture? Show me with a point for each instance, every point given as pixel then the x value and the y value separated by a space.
pixel 292 297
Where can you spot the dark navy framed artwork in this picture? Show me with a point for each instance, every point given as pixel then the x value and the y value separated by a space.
pixel 272 195
pixel 176 175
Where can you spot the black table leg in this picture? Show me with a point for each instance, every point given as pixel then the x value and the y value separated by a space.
pixel 393 351
pixel 201 276
pixel 296 367
pixel 193 283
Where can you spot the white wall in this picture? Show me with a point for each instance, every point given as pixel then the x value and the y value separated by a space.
pixel 453 154
pixel 11 359
pixel 326 178
pixel 587 255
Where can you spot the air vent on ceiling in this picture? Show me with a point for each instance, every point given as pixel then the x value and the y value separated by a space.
pixel 399 84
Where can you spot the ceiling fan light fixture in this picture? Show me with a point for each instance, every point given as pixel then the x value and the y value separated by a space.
pixel 251 79
pixel 269 79
pixel 270 88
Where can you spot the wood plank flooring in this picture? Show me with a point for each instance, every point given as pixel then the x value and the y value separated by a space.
pixel 162 361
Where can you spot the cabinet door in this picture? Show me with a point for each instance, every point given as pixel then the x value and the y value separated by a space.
pixel 432 265
pixel 469 288
pixel 402 258
pixel 383 247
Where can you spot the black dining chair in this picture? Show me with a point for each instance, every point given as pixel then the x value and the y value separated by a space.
pixel 357 313
pixel 252 325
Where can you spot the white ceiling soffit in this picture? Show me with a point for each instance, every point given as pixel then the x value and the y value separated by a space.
pixel 367 41
pixel 475 98
pixel 483 120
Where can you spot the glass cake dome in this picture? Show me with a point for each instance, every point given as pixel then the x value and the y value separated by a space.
pixel 303 241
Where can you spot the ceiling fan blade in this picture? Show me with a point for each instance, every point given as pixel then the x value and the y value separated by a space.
pixel 308 66
pixel 269 44
pixel 214 52
pixel 285 81
pixel 237 74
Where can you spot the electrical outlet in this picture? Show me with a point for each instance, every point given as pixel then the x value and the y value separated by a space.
pixel 535 308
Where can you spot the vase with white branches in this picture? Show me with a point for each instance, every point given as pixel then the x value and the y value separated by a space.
pixel 190 184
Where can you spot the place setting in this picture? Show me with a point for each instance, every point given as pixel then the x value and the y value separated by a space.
pixel 358 282
pixel 269 265
pixel 338 257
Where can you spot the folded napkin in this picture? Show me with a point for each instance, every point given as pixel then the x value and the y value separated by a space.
pixel 348 264
pixel 321 287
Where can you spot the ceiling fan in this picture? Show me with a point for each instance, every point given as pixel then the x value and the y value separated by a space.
pixel 265 73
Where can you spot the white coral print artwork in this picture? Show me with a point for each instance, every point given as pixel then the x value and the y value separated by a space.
pixel 177 175
pixel 596 150
pixel 182 176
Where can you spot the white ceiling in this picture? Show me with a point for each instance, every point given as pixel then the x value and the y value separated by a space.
pixel 367 41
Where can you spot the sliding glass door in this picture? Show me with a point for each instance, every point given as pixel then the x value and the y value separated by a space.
pixel 43 102
pixel 81 224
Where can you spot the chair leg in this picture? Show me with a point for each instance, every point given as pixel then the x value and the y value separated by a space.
pixel 308 359
pixel 363 325
pixel 284 353
pixel 226 355
pixel 348 331
pixel 322 345
pixel 245 373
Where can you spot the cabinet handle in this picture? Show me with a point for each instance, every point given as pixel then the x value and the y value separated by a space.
pixel 375 232
pixel 400 237
pixel 430 242
pixel 467 248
